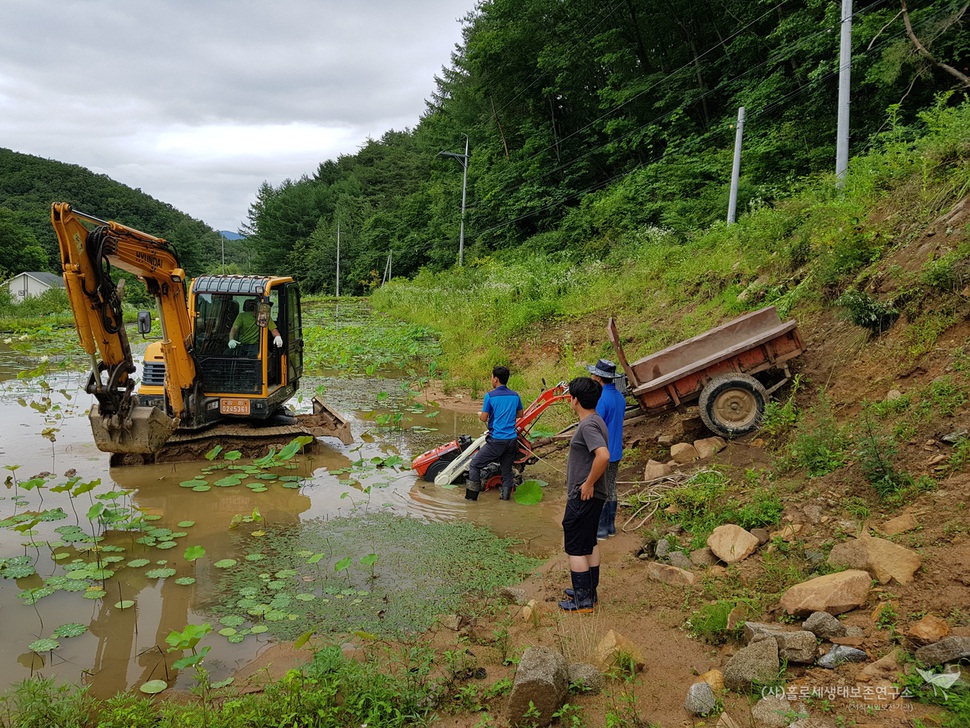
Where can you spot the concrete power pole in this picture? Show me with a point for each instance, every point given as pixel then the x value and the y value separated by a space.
pixel 845 89
pixel 736 169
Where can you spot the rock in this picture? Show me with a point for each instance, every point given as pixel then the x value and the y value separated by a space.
pixel 586 677
pixel 513 595
pixel 853 631
pixel 709 446
pixel 814 557
pixel 736 616
pixel 680 560
pixel 541 680
pixel 788 533
pixel 893 395
pixel 612 646
pixel 654 470
pixel 840 654
pixel 450 621
pixel 762 534
pixel 683 453
pixel 668 574
pixel 531 611
pixel 824 626
pixel 662 548
pixel 700 699
pixel 772 711
pixel 832 593
pixel 714 678
pixel 884 670
pixel 885 560
pixel 812 722
pixel 703 557
pixel 757 631
pixel 755 663
pixel 952 438
pixel 948 649
pixel 726 721
pixel 813 513
pixel 798 648
pixel 731 543
pixel 928 630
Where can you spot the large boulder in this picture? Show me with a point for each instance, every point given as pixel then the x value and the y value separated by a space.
pixel 832 593
pixel 885 560
pixel 731 543
pixel 541 681
pixel 755 663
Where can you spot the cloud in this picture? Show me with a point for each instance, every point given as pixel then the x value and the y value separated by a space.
pixel 198 103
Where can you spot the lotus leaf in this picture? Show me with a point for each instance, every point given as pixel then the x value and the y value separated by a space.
pixel 43 645
pixel 71 629
pixel 153 687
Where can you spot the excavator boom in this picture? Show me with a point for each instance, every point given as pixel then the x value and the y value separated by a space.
pixel 89 247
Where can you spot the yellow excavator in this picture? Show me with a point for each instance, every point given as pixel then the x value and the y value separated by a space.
pixel 230 355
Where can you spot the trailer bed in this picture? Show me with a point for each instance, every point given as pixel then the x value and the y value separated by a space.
pixel 753 349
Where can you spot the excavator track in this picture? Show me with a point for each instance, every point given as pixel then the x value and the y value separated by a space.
pixel 251 440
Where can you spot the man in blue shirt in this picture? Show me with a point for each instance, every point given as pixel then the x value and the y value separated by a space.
pixel 500 409
pixel 612 408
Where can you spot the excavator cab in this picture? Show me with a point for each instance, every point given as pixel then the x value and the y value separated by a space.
pixel 240 371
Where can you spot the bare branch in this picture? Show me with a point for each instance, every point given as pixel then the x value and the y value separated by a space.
pixel 965 80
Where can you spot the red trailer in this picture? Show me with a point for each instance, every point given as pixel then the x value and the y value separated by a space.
pixel 729 371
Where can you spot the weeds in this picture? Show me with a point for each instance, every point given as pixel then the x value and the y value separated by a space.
pixel 820 445
pixel 863 310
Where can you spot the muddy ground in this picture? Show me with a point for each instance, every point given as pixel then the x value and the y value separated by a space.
pixel 850 367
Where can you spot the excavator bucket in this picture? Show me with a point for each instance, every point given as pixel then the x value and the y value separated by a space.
pixel 145 431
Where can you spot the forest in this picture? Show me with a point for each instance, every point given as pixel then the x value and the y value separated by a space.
pixel 584 121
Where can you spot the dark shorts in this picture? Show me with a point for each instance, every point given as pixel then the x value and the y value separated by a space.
pixel 579 525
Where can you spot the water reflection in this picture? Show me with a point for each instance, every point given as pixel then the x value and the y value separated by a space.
pixel 126 647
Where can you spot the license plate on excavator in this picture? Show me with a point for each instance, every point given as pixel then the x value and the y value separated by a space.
pixel 233 406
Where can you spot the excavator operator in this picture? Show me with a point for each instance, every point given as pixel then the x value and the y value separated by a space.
pixel 244 333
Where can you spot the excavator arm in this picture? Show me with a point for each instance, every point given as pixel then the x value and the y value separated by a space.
pixel 89 247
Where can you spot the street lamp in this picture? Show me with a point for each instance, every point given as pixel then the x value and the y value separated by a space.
pixel 463 161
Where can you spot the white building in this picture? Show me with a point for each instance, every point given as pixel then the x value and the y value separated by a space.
pixel 32 284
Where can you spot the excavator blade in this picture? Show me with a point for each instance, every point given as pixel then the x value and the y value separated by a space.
pixel 145 431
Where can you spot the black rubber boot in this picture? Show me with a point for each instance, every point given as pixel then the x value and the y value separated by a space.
pixel 471 490
pixel 594 575
pixel 506 493
pixel 582 600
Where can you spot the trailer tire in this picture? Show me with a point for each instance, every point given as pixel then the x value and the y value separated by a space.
pixel 732 404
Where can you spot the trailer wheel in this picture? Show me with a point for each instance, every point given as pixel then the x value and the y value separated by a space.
pixel 732 404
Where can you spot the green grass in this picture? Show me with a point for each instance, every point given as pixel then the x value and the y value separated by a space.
pixel 801 254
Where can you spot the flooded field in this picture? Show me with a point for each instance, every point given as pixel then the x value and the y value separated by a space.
pixel 102 565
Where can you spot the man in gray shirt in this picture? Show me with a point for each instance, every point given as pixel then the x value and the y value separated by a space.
pixel 589 456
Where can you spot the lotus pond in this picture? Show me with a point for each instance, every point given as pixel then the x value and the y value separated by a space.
pixel 124 578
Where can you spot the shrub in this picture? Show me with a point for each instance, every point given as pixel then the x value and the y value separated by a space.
pixel 863 310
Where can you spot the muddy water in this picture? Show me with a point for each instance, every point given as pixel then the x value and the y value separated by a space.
pixel 45 431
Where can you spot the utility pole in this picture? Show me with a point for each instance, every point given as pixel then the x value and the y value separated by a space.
pixel 463 161
pixel 338 259
pixel 845 88
pixel 736 168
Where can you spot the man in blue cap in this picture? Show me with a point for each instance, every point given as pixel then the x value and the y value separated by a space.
pixel 612 408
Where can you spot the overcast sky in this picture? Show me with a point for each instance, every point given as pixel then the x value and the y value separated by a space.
pixel 197 102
